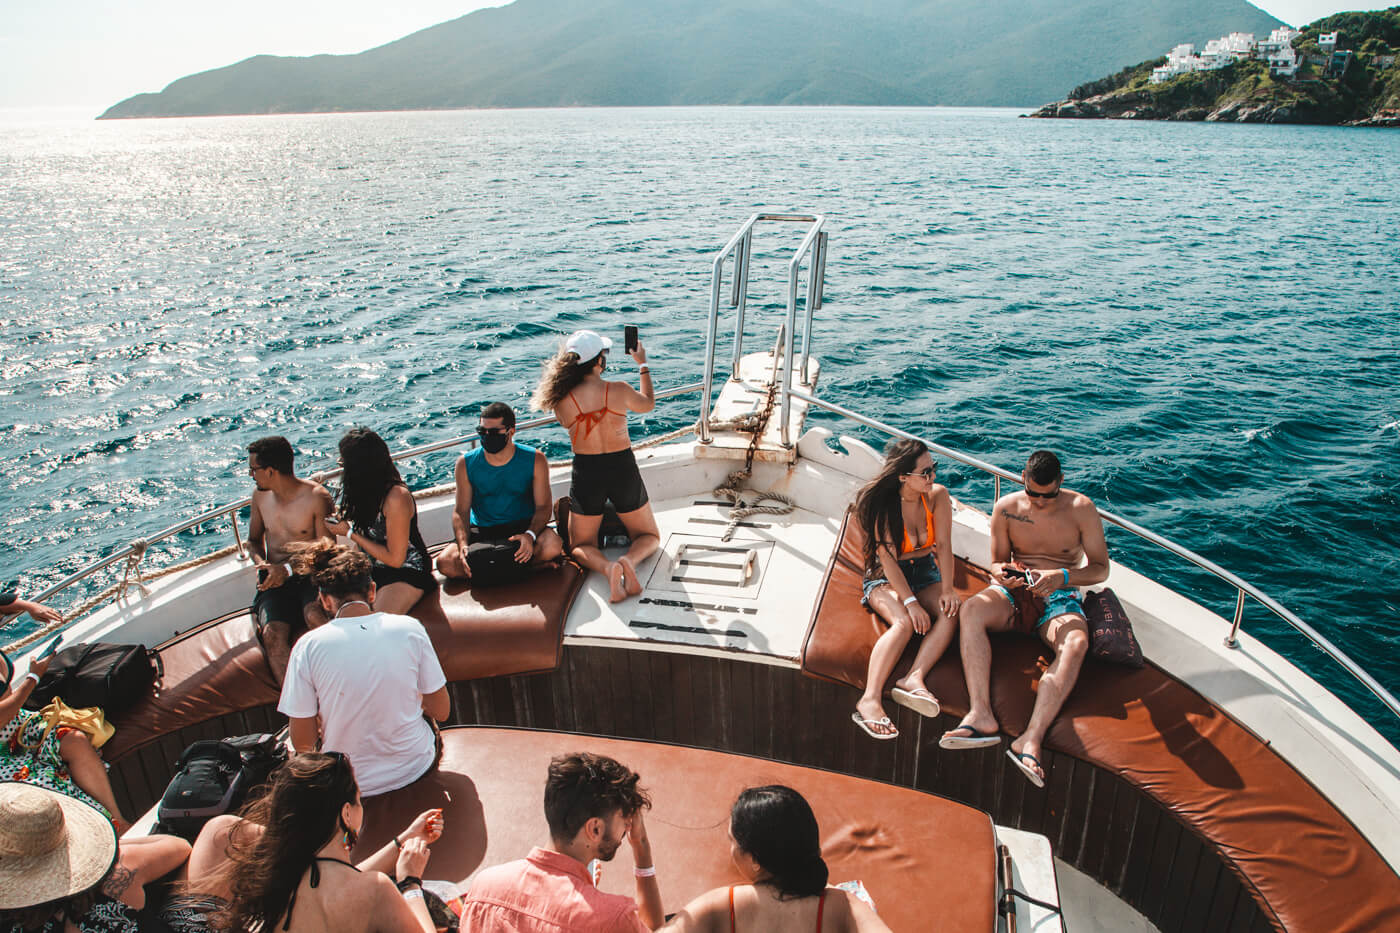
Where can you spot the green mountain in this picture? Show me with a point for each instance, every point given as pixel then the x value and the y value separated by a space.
pixel 1361 88
pixel 553 53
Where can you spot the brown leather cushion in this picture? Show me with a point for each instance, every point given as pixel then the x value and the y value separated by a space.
pixel 488 632
pixel 1232 789
pixel 928 862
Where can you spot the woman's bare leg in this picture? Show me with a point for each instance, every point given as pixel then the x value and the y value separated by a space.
pixel 88 772
pixel 397 598
pixel 646 538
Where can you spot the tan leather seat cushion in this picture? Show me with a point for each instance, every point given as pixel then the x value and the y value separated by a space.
pixel 1279 832
pixel 928 862
pixel 487 632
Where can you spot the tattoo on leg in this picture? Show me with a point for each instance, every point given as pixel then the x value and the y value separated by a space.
pixel 118 882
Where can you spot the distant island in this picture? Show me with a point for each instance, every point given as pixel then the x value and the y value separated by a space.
pixel 1340 70
pixel 561 53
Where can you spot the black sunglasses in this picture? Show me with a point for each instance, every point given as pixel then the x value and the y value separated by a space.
pixel 926 473
pixel 1042 495
pixel 488 432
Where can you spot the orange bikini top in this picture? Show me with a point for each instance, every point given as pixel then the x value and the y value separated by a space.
pixel 928 521
pixel 588 420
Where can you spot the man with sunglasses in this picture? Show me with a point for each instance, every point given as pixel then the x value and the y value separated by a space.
pixel 1047 542
pixel 503 502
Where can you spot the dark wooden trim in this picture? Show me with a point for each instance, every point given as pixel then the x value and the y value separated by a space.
pixel 1095 820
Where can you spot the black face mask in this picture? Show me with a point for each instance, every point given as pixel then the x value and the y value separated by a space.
pixel 494 443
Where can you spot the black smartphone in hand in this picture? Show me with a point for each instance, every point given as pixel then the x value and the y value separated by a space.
pixel 629 338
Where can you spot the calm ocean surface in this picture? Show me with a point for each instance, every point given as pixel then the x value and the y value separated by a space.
pixel 1200 318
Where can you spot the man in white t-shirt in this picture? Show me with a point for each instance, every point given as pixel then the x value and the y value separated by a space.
pixel 368 676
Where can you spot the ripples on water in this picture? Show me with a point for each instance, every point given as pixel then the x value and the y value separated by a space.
pixel 1200 318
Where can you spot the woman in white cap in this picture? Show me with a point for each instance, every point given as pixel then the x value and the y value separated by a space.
pixel 61 870
pixel 594 412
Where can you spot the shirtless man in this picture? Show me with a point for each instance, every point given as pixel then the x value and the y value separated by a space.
pixel 285 509
pixel 1046 543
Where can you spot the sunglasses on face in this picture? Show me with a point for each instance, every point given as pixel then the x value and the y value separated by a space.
pixel 926 473
pixel 1042 495
pixel 491 432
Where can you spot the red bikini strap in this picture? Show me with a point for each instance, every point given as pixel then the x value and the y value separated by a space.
pixel 821 906
pixel 731 909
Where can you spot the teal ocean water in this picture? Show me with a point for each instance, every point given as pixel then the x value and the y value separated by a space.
pixel 1200 318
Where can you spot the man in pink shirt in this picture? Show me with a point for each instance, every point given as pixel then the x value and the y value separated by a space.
pixel 591 803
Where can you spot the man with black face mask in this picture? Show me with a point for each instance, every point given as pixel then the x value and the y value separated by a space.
pixel 503 505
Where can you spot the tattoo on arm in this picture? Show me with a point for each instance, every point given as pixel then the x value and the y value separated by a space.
pixel 118 882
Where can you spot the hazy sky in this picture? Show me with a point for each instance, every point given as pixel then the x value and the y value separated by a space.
pixel 89 54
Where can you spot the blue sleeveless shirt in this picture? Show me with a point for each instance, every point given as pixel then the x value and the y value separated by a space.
pixel 502 494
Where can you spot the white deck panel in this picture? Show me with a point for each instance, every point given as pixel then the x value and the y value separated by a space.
pixel 688 601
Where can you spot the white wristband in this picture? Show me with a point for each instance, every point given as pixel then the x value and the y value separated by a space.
pixel 30 676
pixel 411 893
pixel 911 600
pixel 531 533
pixel 645 872
pixel 288 568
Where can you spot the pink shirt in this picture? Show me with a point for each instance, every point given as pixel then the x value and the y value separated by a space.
pixel 545 892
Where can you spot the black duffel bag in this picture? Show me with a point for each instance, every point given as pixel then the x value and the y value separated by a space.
pixel 109 676
pixel 214 777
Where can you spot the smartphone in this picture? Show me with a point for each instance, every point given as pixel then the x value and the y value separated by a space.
pixel 1016 573
pixel 50 648
pixel 629 338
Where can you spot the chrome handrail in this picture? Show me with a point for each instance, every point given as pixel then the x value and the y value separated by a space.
pixel 232 509
pixel 1242 587
pixel 740 246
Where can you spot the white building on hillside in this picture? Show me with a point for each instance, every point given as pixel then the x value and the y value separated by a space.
pixel 1283 62
pixel 1327 42
pixel 1217 54
pixel 1278 40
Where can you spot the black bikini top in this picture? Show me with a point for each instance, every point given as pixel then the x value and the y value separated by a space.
pixel 315 882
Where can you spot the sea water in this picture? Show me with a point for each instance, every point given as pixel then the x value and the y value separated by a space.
pixel 1200 319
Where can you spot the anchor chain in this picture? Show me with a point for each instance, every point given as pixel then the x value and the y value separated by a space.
pixel 733 490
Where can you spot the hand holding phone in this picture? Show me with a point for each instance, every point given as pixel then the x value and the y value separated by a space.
pixel 51 648
pixel 629 338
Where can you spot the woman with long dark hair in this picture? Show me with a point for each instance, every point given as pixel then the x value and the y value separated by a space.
pixel 775 843
pixel 284 864
pixel 907 521
pixel 594 412
pixel 379 515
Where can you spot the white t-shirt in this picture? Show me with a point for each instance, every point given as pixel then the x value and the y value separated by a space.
pixel 365 676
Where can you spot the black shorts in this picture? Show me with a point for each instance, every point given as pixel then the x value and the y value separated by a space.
pixel 286 603
pixel 383 575
pixel 601 478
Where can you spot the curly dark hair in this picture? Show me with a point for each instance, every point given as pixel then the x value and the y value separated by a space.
pixel 877 504
pixel 583 785
pixel 336 570
pixel 562 374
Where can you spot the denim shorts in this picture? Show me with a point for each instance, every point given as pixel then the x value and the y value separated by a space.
pixel 920 573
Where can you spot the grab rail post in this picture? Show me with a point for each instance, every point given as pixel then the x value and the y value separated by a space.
pixel 237 537
pixel 1232 640
pixel 741 300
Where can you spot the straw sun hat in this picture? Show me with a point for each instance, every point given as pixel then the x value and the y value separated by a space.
pixel 51 846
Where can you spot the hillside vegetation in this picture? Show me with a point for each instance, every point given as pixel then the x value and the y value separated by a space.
pixel 552 53
pixel 1367 93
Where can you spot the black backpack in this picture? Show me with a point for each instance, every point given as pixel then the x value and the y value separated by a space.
pixel 214 777
pixel 112 677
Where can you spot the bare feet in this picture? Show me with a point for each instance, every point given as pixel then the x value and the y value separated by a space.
pixel 632 582
pixel 615 582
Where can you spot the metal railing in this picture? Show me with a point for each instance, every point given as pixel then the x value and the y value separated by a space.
pixel 1242 587
pixel 233 508
pixel 740 247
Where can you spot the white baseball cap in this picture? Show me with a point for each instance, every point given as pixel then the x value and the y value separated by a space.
pixel 587 344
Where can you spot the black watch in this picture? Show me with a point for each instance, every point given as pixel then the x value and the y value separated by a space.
pixel 411 881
